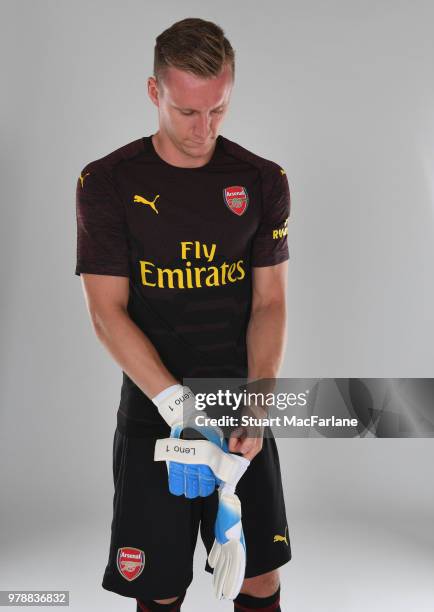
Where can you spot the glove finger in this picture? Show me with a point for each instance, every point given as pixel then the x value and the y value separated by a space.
pixel 206 481
pixel 236 570
pixel 191 485
pixel 220 574
pixel 227 585
pixel 240 578
pixel 217 576
pixel 176 478
pixel 214 554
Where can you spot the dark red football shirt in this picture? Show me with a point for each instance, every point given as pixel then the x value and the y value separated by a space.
pixel 187 238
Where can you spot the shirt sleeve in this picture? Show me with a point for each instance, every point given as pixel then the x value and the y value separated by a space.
pixel 270 243
pixel 102 243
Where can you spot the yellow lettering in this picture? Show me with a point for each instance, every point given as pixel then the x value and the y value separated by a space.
pixel 144 272
pixel 190 277
pixel 230 272
pixel 185 247
pixel 281 232
pixel 198 272
pixel 240 269
pixel 214 276
pixel 209 254
pixel 170 274
pixel 188 274
pixel 223 268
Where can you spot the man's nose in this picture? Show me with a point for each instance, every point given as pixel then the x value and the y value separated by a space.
pixel 202 126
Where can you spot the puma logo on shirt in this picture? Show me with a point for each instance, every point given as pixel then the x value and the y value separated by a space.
pixel 141 200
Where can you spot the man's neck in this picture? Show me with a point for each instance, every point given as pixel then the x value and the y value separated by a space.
pixel 173 156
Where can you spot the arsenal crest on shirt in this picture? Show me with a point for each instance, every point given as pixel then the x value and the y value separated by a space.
pixel 130 562
pixel 236 199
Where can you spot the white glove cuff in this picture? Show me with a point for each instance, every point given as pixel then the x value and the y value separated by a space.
pixel 165 393
pixel 175 406
pixel 226 466
pixel 243 464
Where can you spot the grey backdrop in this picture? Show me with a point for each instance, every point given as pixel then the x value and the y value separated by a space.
pixel 340 94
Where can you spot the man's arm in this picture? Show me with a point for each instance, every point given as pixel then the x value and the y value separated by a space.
pixel 266 332
pixel 107 299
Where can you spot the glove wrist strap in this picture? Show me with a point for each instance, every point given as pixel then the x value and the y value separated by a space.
pixel 176 406
pixel 226 466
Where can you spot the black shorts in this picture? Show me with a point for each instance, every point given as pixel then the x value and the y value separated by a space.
pixel 154 533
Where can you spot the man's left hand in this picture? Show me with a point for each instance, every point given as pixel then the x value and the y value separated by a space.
pixel 248 439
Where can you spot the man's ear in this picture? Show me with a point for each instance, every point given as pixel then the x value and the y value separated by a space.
pixel 153 92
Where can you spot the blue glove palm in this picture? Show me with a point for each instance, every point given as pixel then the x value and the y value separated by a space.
pixel 194 480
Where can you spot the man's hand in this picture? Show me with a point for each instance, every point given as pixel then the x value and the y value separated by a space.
pixel 248 440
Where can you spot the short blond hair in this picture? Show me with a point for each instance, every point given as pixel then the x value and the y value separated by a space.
pixel 194 45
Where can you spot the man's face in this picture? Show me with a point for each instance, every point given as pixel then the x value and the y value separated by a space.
pixel 191 108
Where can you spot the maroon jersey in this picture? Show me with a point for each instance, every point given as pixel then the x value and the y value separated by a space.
pixel 187 238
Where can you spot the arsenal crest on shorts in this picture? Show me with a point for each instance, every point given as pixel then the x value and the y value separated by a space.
pixel 130 562
pixel 236 199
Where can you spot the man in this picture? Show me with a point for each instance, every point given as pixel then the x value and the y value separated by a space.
pixel 183 253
